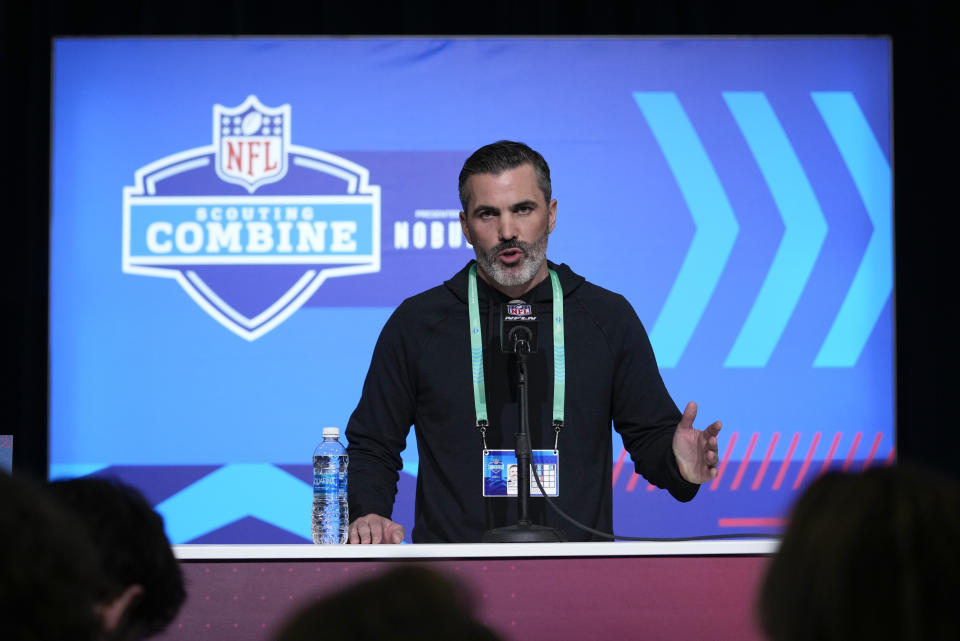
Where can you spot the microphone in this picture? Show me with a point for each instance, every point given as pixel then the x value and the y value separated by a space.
pixel 518 328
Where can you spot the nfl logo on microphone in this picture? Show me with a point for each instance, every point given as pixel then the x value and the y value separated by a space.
pixel 519 309
pixel 251 225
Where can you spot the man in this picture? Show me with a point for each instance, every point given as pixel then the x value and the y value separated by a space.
pixel 825 581
pixel 402 603
pixel 422 373
pixel 50 571
pixel 511 477
pixel 143 588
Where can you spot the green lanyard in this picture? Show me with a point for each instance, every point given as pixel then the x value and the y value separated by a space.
pixel 476 356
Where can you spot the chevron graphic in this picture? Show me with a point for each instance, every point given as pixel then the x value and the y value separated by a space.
pixel 716 226
pixel 74 470
pixel 873 282
pixel 411 455
pixel 804 233
pixel 236 491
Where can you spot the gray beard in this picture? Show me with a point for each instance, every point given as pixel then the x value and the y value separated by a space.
pixel 534 254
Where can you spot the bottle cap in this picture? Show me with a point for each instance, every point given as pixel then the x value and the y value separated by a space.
pixel 331 432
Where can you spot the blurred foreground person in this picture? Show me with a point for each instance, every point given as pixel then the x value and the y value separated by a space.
pixel 874 555
pixel 143 590
pixel 401 604
pixel 49 570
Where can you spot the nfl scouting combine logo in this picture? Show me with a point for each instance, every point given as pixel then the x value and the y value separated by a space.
pixel 251 225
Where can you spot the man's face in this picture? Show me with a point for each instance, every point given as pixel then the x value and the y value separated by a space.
pixel 507 221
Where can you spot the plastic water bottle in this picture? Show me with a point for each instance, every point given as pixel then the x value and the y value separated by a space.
pixel 331 516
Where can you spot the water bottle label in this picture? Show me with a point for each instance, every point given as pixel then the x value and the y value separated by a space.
pixel 326 482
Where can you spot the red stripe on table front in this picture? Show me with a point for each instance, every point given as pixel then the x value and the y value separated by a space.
pixel 754 522
pixel 743 463
pixel 833 449
pixel 891 456
pixel 723 463
pixel 806 461
pixel 853 450
pixel 766 461
pixel 616 468
pixel 633 482
pixel 651 487
pixel 873 450
pixel 786 461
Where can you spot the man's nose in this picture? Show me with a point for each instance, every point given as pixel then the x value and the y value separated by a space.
pixel 507 229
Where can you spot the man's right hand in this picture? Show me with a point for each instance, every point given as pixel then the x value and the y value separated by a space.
pixel 374 528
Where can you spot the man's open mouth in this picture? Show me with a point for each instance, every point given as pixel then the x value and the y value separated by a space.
pixel 510 256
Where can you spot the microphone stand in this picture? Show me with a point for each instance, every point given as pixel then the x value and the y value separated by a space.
pixel 524 531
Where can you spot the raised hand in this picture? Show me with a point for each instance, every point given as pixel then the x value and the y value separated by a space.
pixel 696 450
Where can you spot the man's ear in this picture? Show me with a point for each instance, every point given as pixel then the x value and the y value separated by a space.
pixel 113 611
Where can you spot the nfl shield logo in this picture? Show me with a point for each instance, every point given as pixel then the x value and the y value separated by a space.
pixel 519 309
pixel 251 260
pixel 251 141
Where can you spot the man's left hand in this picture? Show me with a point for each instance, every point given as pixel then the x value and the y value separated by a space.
pixel 696 450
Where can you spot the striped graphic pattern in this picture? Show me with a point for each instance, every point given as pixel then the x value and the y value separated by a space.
pixel 860 456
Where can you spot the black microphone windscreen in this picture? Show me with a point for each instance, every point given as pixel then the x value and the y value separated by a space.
pixel 518 323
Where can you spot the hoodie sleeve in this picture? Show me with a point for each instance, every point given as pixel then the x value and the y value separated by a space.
pixel 642 410
pixel 377 430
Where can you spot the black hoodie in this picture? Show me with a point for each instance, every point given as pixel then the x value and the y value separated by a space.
pixel 420 375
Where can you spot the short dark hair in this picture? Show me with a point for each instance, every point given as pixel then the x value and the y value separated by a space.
pixel 404 603
pixel 133 547
pixel 497 158
pixel 869 555
pixel 50 574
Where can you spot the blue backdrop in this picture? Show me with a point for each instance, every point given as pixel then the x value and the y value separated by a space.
pixel 235 219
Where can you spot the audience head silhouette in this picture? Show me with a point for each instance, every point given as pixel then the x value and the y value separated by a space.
pixel 49 569
pixel 143 588
pixel 873 555
pixel 401 604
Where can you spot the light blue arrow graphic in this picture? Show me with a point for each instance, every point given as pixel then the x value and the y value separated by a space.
pixel 873 282
pixel 236 491
pixel 411 455
pixel 804 229
pixel 74 470
pixel 716 225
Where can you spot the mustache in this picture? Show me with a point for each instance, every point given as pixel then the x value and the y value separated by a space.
pixel 511 244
